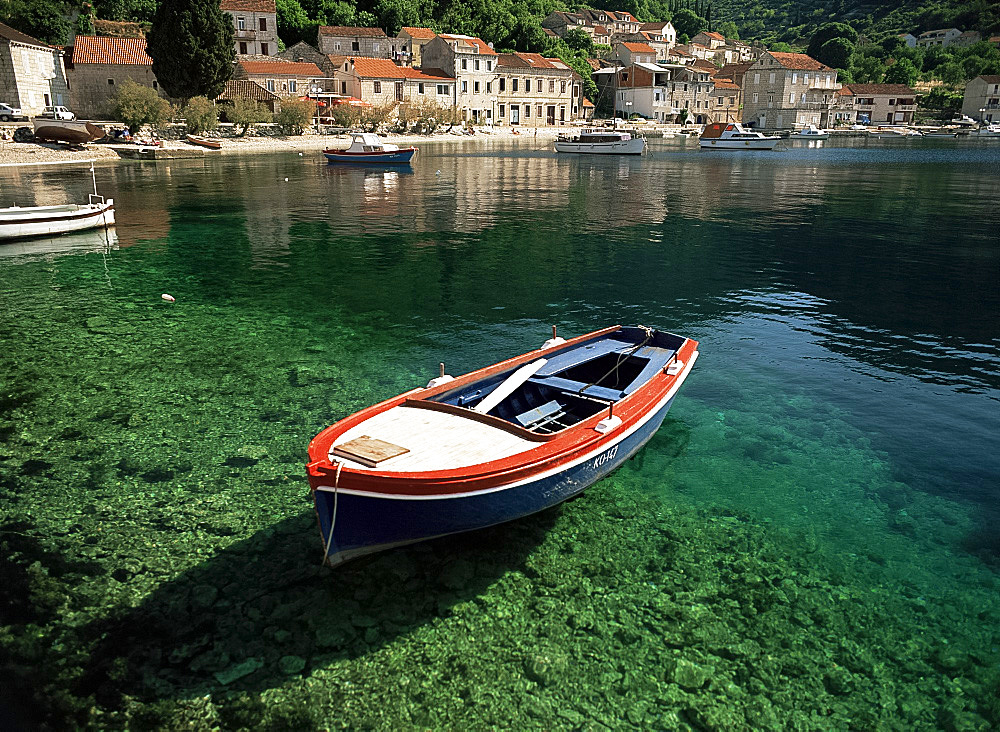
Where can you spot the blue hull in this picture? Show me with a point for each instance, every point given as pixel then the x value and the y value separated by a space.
pixel 366 523
pixel 391 158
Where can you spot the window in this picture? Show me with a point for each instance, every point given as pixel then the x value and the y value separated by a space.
pixel 293 85
pixel 375 47
pixel 538 110
pixel 527 85
pixel 502 111
pixel 442 89
pixel 756 78
pixel 502 86
pixel 476 64
pixel 241 23
pixel 343 88
pixel 791 98
pixel 355 46
pixel 263 24
pixel 527 110
pixel 489 87
pixel 513 85
pixel 465 87
pixel 111 82
pixel 552 86
pixel 263 49
pixel 771 79
pixel 155 85
pixel 378 87
pixel 562 87
pixel 892 102
pixel 270 85
pixel 489 66
pixel 243 47
pixel 475 87
pixel 795 78
pixel 805 79
pixel 420 88
pixel 337 44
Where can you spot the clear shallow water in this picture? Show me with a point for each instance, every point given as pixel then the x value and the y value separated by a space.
pixel 838 442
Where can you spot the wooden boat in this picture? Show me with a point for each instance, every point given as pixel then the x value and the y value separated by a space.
pixel 18 222
pixel 732 136
pixel 601 142
pixel 367 147
pixel 493 445
pixel 210 142
pixel 75 132
pixel 812 132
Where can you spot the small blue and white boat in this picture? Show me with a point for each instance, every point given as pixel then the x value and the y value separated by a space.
pixel 495 445
pixel 367 147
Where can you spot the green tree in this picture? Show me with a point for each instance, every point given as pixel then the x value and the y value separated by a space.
pixel 902 72
pixel 294 115
pixel 836 53
pixel 827 32
pixel 579 40
pixel 868 70
pixel 688 23
pixel 191 44
pixel 951 73
pixel 729 30
pixel 200 115
pixel 293 23
pixel 781 47
pixel 246 112
pixel 136 105
pixel 41 19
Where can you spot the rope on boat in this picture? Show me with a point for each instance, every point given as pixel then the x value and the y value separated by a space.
pixel 333 516
pixel 621 359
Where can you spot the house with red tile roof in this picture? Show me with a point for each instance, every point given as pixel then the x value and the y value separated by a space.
pixel 709 39
pixel 982 99
pixel 96 66
pixel 635 53
pixel 32 73
pixel 246 89
pixel 284 78
pixel 411 41
pixel 473 64
pixel 379 81
pixel 892 104
pixel 785 91
pixel 535 91
pixel 255 24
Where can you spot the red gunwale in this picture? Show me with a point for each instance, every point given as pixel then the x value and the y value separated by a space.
pixel 370 152
pixel 556 449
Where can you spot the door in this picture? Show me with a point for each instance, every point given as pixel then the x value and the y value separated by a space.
pixel 515 114
pixel 399 91
pixel 550 115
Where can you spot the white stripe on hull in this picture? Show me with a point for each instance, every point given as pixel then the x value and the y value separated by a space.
pixel 75 221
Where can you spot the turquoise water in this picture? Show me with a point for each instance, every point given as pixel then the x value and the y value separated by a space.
pixel 809 541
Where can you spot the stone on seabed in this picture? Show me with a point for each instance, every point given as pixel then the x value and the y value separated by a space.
pixel 234 673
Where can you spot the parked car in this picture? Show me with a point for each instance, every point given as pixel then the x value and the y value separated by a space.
pixel 9 113
pixel 57 113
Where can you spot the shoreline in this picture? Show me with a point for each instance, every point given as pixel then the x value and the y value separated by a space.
pixel 23 153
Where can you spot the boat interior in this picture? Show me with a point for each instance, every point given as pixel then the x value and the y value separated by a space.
pixel 553 393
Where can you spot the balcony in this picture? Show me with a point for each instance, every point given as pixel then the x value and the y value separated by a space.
pixel 246 35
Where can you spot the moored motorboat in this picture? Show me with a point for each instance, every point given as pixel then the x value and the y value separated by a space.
pixel 208 142
pixel 367 147
pixel 601 142
pixel 812 132
pixel 991 130
pixel 74 132
pixel 493 445
pixel 19 222
pixel 733 136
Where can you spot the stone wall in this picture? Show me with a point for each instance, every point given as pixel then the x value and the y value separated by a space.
pixel 93 97
pixel 32 77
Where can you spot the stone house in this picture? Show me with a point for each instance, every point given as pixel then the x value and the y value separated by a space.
pixel 246 89
pixel 346 40
pixel 473 65
pixel 411 41
pixel 660 32
pixel 728 98
pixel 635 53
pixel 940 37
pixel 982 98
pixel 710 40
pixel 302 52
pixel 665 93
pixel 379 81
pixel 784 91
pixel 534 91
pixel 96 66
pixel 892 104
pixel 32 74
pixel 284 78
pixel 256 26
pixel 968 38
pixel 909 39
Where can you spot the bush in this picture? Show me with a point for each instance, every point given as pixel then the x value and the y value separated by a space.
pixel 246 112
pixel 425 118
pixel 344 115
pixel 374 117
pixel 294 116
pixel 200 114
pixel 137 105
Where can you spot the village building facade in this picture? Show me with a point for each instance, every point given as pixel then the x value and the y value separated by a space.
pixel 96 67
pixel 379 82
pixel 353 41
pixel 534 91
pixel 256 25
pixel 473 65
pixel 635 53
pixel 32 74
pixel 891 104
pixel 982 99
pixel 246 89
pixel 411 41
pixel 943 37
pixel 785 91
pixel 669 93
pixel 280 77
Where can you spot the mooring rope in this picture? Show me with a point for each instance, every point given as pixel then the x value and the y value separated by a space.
pixel 333 516
pixel 621 359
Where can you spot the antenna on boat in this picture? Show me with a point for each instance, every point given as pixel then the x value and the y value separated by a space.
pixel 93 176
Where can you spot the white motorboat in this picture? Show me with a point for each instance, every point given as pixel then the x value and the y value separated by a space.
pixel 19 222
pixel 601 142
pixel 732 136
pixel 812 132
pixel 894 133
pixel 991 130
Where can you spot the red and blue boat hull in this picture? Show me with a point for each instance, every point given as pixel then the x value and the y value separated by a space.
pixel 395 157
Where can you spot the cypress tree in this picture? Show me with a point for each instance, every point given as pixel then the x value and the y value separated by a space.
pixel 191 44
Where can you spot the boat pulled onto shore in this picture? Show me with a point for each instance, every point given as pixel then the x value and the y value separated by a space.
pixel 496 444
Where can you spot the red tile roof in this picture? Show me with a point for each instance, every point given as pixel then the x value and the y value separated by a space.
pixel 349 31
pixel 427 74
pixel 522 60
pixel 378 68
pixel 246 89
pixel 421 33
pixel 9 34
pixel 110 50
pixel 280 68
pixel 726 84
pixel 587 102
pixel 714 35
pixel 600 30
pixel 484 48
pixel 248 6
pixel 639 47
pixel 894 89
pixel 798 61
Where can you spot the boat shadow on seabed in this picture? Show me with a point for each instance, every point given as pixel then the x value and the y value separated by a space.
pixel 242 620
